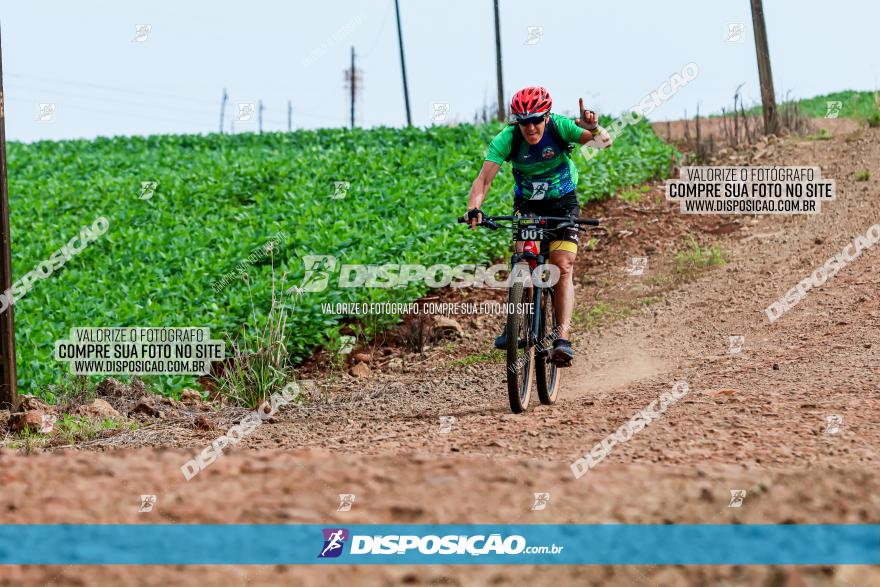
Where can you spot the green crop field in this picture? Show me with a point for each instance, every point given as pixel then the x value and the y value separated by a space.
pixel 220 197
pixel 853 104
pixel 858 105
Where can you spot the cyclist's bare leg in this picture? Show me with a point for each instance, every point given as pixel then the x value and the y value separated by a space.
pixel 563 299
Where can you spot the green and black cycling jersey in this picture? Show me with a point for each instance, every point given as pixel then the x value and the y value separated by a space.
pixel 543 171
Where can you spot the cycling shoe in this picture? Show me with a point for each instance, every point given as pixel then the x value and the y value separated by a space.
pixel 562 353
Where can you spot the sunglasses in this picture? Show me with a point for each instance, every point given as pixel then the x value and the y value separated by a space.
pixel 532 120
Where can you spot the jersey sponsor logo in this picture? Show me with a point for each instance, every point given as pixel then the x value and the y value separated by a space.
pixel 548 153
pixel 539 190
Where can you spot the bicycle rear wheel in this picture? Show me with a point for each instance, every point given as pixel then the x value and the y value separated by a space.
pixel 520 349
pixel 547 374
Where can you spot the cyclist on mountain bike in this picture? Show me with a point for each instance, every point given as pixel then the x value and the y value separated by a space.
pixel 545 179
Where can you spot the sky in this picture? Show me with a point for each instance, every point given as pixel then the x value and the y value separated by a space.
pixel 100 77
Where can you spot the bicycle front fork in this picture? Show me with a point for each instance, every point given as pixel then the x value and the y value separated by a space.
pixel 536 315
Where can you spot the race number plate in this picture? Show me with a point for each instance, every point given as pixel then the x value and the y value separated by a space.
pixel 529 231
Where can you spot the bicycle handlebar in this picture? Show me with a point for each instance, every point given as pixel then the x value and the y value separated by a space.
pixel 489 221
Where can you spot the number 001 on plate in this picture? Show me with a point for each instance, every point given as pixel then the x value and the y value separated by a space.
pixel 529 231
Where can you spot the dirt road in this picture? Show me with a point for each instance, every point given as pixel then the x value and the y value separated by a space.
pixel 755 420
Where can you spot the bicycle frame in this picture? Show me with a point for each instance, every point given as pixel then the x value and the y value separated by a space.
pixel 537 315
pixel 532 260
pixel 533 365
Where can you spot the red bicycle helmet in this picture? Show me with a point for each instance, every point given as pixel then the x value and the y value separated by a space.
pixel 531 101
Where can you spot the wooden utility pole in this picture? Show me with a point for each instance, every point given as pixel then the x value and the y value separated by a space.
pixel 223 108
pixel 502 111
pixel 289 116
pixel 8 386
pixel 768 96
pixel 402 64
pixel 353 80
pixel 260 115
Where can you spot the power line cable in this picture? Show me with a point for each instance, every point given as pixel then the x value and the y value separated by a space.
pixel 139 92
pixel 113 112
pixel 102 99
pixel 16 87
pixel 381 30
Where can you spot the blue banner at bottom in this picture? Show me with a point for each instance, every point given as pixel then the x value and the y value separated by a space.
pixel 455 544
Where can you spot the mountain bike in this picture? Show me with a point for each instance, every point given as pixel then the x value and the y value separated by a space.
pixel 531 319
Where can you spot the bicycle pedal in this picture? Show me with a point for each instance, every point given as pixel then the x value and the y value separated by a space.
pixel 558 362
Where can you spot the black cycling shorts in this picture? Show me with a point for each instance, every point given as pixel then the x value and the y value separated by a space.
pixel 565 239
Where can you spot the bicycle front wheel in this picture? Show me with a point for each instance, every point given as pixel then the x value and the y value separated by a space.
pixel 520 350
